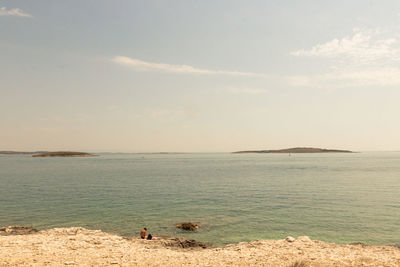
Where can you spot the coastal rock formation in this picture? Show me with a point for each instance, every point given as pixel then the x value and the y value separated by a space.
pixel 63 154
pixel 188 226
pixel 81 247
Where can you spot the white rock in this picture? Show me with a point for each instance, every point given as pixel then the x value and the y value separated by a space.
pixel 290 239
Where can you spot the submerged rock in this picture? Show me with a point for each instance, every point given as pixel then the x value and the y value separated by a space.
pixel 17 230
pixel 188 226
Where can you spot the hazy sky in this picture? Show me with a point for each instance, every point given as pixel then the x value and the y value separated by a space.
pixel 141 76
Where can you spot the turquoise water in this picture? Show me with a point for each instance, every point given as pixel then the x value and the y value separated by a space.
pixel 339 198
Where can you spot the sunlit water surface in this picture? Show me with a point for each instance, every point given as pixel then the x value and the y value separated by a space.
pixel 339 198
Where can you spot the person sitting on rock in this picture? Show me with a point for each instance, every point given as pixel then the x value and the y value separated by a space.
pixel 143 233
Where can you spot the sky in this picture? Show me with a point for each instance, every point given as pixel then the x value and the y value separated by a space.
pixel 199 76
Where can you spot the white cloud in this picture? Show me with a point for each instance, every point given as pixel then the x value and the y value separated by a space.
pixel 141 65
pixel 363 59
pixel 13 12
pixel 363 46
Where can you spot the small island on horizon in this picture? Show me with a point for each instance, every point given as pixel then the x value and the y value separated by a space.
pixel 64 154
pixel 296 150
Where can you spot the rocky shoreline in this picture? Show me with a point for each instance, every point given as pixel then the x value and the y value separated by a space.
pixel 78 246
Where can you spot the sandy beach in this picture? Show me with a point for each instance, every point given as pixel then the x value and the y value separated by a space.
pixel 81 247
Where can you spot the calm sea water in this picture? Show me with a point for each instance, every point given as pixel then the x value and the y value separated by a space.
pixel 339 198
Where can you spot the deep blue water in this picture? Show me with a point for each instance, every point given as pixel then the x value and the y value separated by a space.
pixel 234 197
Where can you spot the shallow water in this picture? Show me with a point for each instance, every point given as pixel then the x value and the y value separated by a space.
pixel 339 198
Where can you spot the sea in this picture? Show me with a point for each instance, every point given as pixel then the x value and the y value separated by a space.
pixel 341 198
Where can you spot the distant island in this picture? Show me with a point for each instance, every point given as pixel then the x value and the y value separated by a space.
pixel 63 154
pixel 296 150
